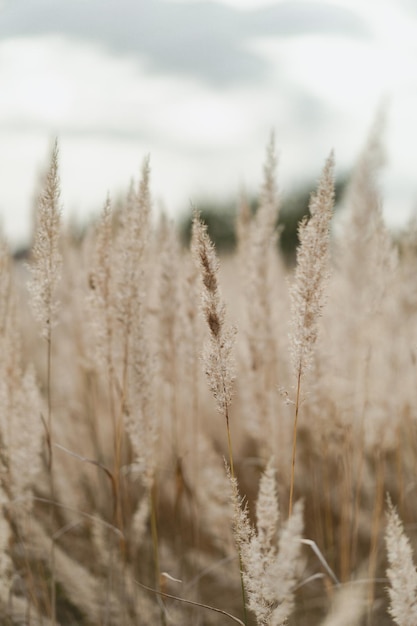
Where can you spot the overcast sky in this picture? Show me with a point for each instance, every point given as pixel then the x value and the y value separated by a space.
pixel 199 85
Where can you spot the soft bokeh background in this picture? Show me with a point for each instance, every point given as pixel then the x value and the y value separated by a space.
pixel 199 85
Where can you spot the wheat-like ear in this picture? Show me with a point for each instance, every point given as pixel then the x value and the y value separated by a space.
pixel 308 289
pixel 261 272
pixel 269 566
pixel 401 572
pixel 46 259
pixel 46 263
pixel 218 361
pixel 45 266
pixel 312 271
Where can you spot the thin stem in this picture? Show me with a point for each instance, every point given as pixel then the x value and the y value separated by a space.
pixel 203 606
pixel 119 437
pixel 375 532
pixel 359 465
pixel 49 435
pixel 294 440
pixel 154 533
pixel 53 585
pixel 232 474
pixel 48 386
pixel 51 475
pixel 229 442
pixel 242 587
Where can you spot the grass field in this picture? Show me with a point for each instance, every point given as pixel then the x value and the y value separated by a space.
pixel 194 440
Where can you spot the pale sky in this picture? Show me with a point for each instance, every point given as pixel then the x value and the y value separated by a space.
pixel 199 86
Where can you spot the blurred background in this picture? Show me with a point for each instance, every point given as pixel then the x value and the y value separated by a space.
pixel 200 85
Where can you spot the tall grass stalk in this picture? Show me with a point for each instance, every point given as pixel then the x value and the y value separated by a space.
pixel 217 357
pixel 261 272
pixel 45 266
pixel 46 262
pixel 308 289
pixel 119 384
pixel 219 366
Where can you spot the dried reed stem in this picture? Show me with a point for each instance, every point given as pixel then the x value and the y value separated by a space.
pixel 294 440
pixel 269 558
pixel 46 272
pixel 308 289
pixel 217 357
pixel 45 266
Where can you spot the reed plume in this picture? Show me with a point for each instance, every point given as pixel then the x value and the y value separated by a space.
pixel 46 259
pixel 270 555
pixel 401 572
pixel 128 398
pixel 263 304
pixel 217 357
pixel 308 288
pixel 45 266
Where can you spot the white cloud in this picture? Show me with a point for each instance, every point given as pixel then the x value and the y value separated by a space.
pixel 109 111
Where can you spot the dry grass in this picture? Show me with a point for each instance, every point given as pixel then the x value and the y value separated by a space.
pixel 116 507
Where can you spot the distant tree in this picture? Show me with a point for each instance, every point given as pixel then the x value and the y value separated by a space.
pixel 220 218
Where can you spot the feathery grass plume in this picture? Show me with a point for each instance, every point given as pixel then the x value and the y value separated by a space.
pixel 365 307
pixel 192 332
pixel 46 259
pixel 129 258
pixel 21 430
pixel 365 270
pixel 262 275
pixel 217 357
pixel 132 242
pixel 24 436
pixel 363 210
pixel 282 576
pixel 370 287
pixel 269 565
pixel 137 412
pixel 308 288
pixel 99 297
pixel 116 287
pixel 45 266
pixel 130 249
pixel 141 419
pixel 259 255
pixel 367 260
pixel 102 316
pixel 267 511
pixel 312 271
pixel 170 321
pixel 401 572
pixel 213 497
pixel 12 421
pixel 142 428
